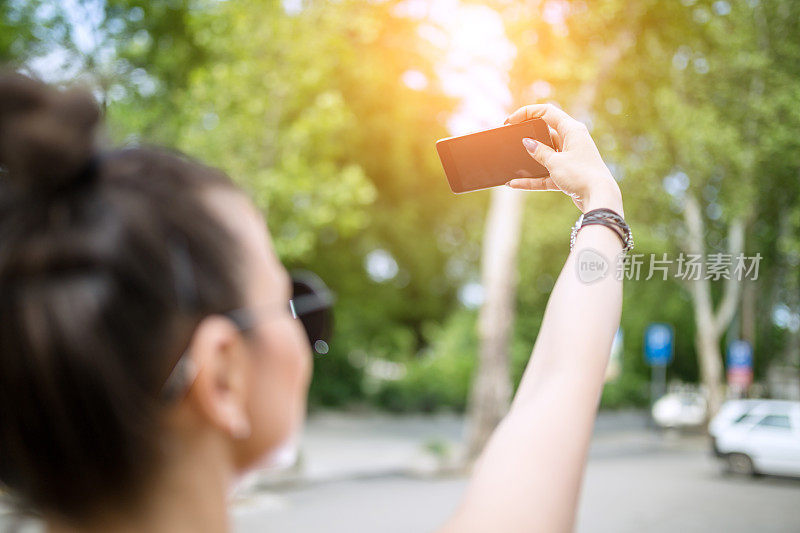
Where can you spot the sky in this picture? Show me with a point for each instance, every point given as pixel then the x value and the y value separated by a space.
pixel 474 70
pixel 478 57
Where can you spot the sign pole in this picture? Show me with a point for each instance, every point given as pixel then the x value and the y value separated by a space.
pixel 658 386
pixel 659 381
pixel 658 352
pixel 740 367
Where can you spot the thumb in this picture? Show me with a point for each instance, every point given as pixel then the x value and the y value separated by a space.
pixel 539 152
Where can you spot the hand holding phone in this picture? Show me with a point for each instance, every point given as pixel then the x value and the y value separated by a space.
pixel 492 157
pixel 567 162
pixel 577 169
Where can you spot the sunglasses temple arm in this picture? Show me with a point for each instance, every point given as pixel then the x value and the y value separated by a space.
pixel 308 304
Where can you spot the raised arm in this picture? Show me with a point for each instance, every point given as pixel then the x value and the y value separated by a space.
pixel 529 475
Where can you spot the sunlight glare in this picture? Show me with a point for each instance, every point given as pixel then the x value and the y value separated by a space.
pixel 476 64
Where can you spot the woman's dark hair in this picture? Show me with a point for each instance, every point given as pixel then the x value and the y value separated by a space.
pixel 107 261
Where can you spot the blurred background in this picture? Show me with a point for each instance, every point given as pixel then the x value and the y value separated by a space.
pixel 328 111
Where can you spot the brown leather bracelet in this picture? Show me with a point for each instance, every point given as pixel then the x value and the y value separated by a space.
pixel 608 218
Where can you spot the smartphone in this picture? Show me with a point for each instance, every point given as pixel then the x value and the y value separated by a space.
pixel 492 157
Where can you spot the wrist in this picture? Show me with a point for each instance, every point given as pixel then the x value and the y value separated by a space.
pixel 609 197
pixel 605 216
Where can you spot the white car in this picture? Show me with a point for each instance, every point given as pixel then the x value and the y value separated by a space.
pixel 758 436
pixel 678 410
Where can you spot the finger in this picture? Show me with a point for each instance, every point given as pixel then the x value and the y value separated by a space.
pixel 540 152
pixel 558 143
pixel 534 184
pixel 524 113
pixel 553 116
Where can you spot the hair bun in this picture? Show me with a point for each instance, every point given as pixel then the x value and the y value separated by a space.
pixel 46 135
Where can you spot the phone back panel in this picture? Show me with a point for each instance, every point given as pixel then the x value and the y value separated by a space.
pixel 492 157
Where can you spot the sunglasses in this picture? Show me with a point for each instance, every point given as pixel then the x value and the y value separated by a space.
pixel 311 303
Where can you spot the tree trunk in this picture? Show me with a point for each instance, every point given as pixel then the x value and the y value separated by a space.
pixel 711 323
pixel 491 386
pixel 748 315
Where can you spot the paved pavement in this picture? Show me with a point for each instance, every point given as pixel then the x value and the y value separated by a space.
pixel 637 480
pixel 683 490
pixel 372 473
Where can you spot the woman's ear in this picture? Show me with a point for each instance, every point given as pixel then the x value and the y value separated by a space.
pixel 220 389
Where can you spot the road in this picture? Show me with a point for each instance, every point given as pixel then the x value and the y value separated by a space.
pixel 637 480
pixel 370 473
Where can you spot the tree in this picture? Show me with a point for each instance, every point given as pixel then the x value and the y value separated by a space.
pixel 491 385
pixel 711 323
pixel 338 151
pixel 673 115
pixel 698 105
pixel 305 106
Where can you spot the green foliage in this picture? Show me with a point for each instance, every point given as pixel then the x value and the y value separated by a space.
pixel 306 109
pixel 18 40
pixel 342 383
pixel 629 390
pixel 440 377
pixel 708 91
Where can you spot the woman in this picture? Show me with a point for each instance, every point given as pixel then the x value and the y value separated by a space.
pixel 148 357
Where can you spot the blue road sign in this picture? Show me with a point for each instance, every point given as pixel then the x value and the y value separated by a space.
pixel 740 355
pixel 658 344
